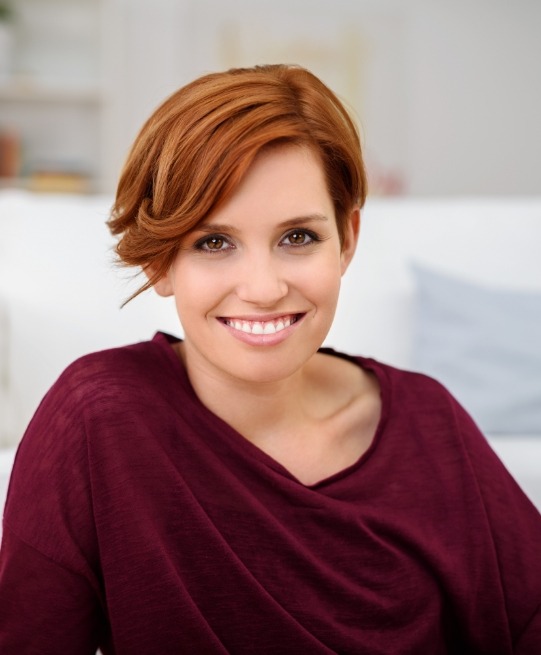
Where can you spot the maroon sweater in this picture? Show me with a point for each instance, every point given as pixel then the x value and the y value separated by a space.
pixel 140 522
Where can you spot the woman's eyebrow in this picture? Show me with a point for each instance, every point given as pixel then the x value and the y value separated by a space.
pixel 208 228
pixel 308 218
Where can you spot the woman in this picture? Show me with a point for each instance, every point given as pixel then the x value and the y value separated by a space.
pixel 243 490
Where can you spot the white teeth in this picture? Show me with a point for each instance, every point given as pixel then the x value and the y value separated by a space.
pixel 261 327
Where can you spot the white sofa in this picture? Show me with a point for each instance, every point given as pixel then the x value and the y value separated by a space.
pixel 60 294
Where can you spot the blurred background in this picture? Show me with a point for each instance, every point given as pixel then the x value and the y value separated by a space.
pixel 447 92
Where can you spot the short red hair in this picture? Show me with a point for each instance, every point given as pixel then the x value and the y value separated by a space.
pixel 192 153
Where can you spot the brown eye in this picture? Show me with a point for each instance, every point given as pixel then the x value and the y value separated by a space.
pixel 297 238
pixel 215 243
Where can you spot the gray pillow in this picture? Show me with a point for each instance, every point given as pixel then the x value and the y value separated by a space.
pixel 484 345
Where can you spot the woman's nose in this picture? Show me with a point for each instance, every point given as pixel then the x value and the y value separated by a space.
pixel 261 281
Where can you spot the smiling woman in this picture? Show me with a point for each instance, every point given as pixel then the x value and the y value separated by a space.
pixel 298 500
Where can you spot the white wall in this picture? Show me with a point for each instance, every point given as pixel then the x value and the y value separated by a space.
pixel 474 84
pixel 447 91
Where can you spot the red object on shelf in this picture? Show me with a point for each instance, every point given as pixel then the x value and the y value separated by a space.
pixel 10 154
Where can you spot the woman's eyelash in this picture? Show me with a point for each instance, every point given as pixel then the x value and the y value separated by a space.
pixel 213 243
pixel 307 238
pixel 218 243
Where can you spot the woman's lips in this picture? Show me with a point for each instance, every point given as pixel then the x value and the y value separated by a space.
pixel 262 332
pixel 272 326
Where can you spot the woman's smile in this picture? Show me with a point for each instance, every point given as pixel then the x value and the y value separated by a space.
pixel 261 326
pixel 262 332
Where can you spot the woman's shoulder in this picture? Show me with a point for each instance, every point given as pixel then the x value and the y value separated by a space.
pixel 141 358
pixel 110 361
pixel 110 376
pixel 407 381
pixel 416 402
pixel 400 382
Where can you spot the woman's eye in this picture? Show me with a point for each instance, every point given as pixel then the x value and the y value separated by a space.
pixel 300 238
pixel 214 243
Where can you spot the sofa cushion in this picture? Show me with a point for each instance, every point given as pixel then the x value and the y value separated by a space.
pixel 484 344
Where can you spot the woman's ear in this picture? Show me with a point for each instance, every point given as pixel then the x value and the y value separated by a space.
pixel 351 236
pixel 163 286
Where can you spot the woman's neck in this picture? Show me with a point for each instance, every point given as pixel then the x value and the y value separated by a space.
pixel 315 423
pixel 250 407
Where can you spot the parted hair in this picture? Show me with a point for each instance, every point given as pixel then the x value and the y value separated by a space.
pixel 193 151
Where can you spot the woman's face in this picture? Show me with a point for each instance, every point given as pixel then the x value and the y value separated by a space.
pixel 256 283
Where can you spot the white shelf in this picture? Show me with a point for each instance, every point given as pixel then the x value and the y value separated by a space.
pixel 54 101
pixel 37 94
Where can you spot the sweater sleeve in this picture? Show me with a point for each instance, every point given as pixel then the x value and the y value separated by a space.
pixel 51 598
pixel 530 640
pixel 45 609
pixel 515 527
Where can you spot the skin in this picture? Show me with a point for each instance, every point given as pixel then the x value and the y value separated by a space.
pixel 256 286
